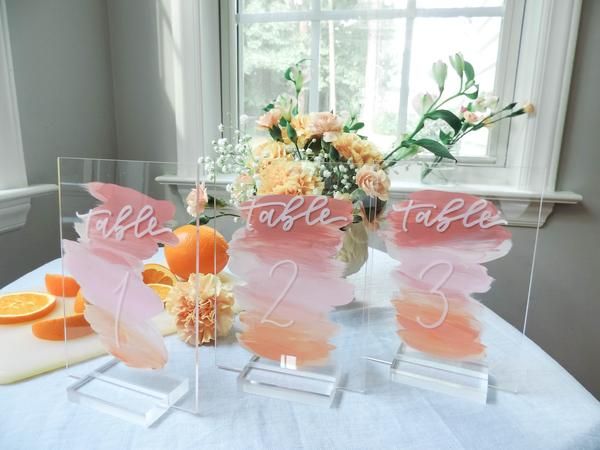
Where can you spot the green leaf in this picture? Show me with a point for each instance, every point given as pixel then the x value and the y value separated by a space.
pixel 444 137
pixel 283 122
pixel 288 74
pixel 509 106
pixel 435 147
pixel 447 116
pixel 473 95
pixel 269 107
pixel 333 154
pixel 291 133
pixel 469 71
pixel 275 133
pixel 216 202
pixel 357 126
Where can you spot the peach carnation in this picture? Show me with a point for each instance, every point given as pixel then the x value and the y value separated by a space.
pixel 300 124
pixel 269 119
pixel 215 307
pixel 325 124
pixel 270 150
pixel 289 178
pixel 360 151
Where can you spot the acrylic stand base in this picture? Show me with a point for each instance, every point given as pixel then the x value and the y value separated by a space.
pixel 267 378
pixel 461 379
pixel 137 395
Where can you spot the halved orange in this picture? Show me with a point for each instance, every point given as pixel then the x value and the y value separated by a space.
pixel 54 329
pixel 54 285
pixel 158 274
pixel 79 305
pixel 25 306
pixel 162 290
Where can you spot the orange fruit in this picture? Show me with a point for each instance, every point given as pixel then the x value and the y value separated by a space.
pixel 24 306
pixel 54 329
pixel 162 290
pixel 158 274
pixel 54 285
pixel 79 305
pixel 213 247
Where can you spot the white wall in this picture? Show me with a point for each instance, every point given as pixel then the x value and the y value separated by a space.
pixel 144 114
pixel 565 314
pixel 63 78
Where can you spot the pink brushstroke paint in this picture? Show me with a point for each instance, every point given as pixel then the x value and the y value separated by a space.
pixel 107 261
pixel 286 257
pixel 441 239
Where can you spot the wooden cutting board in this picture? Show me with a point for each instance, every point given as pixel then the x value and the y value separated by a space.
pixel 22 355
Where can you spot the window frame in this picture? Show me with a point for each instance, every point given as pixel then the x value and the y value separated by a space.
pixel 545 62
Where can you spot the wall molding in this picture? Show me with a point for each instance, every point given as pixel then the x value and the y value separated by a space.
pixel 16 203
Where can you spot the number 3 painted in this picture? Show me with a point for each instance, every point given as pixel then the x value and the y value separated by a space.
pixel 436 290
pixel 283 293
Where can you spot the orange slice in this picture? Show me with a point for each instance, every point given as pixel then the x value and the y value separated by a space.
pixel 161 290
pixel 158 274
pixel 25 306
pixel 54 285
pixel 79 305
pixel 54 329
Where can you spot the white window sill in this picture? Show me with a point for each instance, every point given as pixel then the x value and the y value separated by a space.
pixel 521 208
pixel 15 204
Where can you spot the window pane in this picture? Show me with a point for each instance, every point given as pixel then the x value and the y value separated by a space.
pixel 436 38
pixel 363 4
pixel 260 6
pixel 458 3
pixel 267 50
pixel 361 66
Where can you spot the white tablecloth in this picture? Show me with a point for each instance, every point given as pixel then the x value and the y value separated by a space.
pixel 552 411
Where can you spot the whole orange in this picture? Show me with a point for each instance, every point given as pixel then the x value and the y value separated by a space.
pixel 212 247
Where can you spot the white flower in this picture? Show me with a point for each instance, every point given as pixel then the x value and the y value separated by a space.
pixel 458 63
pixel 485 101
pixel 421 102
pixel 439 70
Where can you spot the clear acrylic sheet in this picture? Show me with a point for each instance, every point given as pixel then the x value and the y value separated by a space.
pixel 449 305
pixel 117 216
pixel 301 327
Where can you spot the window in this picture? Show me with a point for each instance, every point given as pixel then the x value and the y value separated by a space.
pixel 375 55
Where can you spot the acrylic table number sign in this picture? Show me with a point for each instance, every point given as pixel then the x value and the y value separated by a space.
pixel 110 232
pixel 440 244
pixel 289 287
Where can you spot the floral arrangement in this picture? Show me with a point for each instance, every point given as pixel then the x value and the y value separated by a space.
pixel 325 153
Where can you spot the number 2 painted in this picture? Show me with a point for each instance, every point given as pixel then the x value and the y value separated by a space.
pixel 436 290
pixel 279 299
